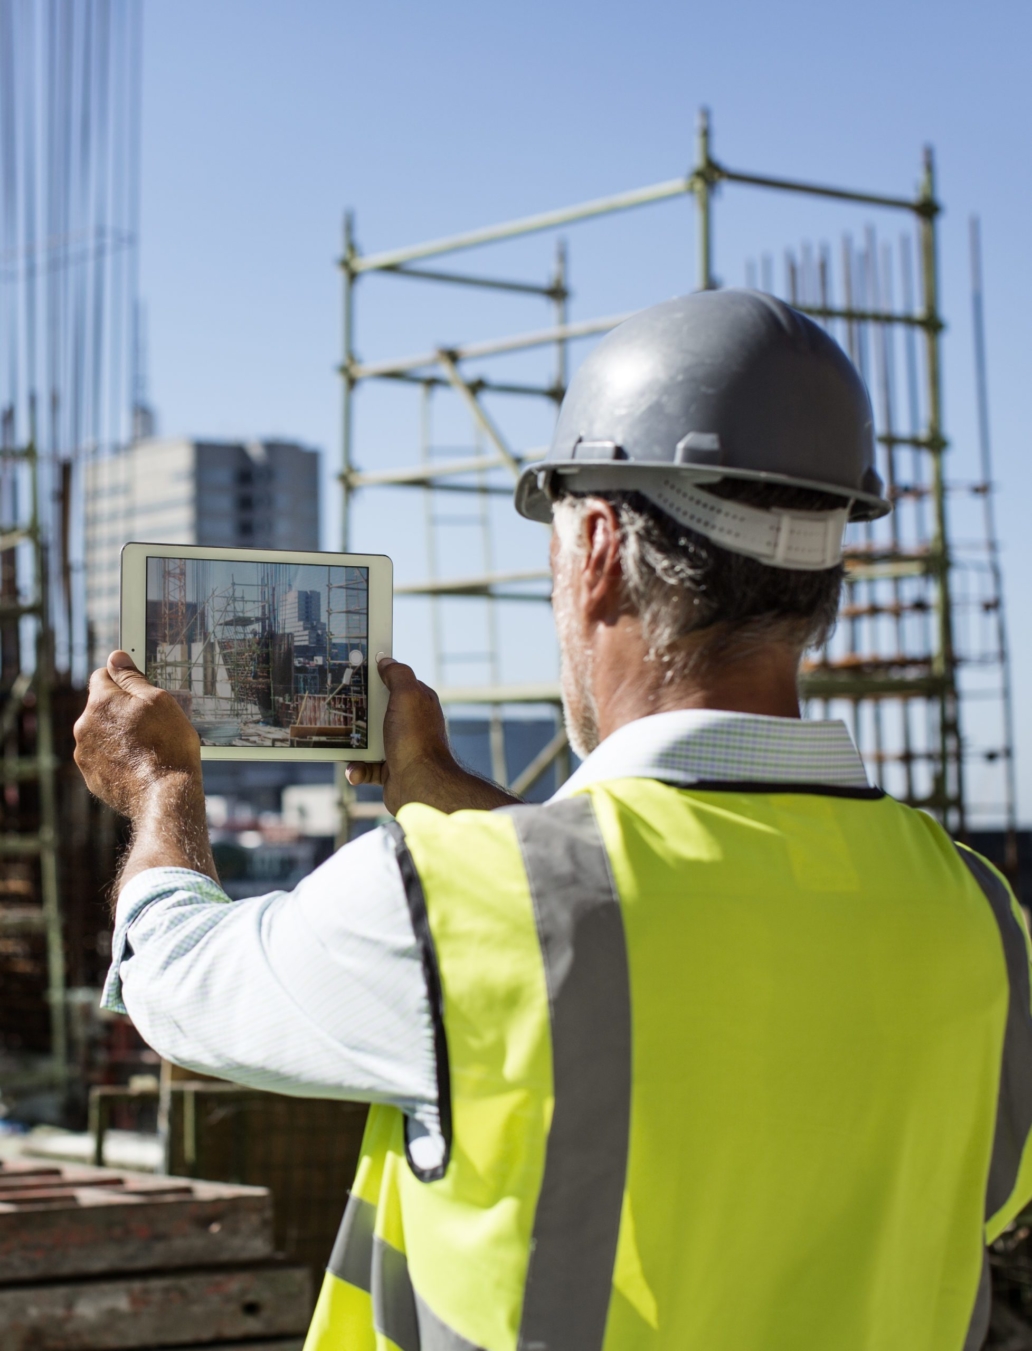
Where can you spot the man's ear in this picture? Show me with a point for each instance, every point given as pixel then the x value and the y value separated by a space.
pixel 602 572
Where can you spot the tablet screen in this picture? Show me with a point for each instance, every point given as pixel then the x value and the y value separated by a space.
pixel 262 654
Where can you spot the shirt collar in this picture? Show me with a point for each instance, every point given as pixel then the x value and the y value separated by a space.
pixel 703 745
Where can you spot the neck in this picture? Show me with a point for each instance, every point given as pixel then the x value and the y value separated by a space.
pixel 627 685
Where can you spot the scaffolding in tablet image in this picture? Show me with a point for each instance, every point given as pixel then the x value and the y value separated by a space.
pixel 262 654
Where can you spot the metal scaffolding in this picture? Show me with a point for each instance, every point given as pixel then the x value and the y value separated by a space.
pixel 69 205
pixel 29 898
pixel 893 668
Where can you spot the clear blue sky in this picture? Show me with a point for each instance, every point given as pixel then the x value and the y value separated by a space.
pixel 263 120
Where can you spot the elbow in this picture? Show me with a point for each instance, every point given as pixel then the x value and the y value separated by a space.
pixel 153 1010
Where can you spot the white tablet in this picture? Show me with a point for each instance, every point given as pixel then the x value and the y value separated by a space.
pixel 270 653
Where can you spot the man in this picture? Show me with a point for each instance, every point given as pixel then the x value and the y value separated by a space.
pixel 722 1049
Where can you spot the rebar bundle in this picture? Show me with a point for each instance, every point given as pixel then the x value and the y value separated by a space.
pixel 69 223
pixel 69 380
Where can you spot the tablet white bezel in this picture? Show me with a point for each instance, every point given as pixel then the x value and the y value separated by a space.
pixel 133 629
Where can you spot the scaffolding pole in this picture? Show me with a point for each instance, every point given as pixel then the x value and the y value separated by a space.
pixel 989 512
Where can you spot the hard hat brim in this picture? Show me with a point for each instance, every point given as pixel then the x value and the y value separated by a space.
pixel 537 489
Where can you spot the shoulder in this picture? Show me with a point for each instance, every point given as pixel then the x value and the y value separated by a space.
pixel 472 837
pixel 457 848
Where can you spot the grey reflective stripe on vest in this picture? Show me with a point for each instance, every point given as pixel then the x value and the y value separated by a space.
pixel 978 1328
pixel 435 1335
pixel 577 1222
pixel 1014 1106
pixel 352 1256
pixel 1014 1102
pixel 394 1303
pixel 363 1260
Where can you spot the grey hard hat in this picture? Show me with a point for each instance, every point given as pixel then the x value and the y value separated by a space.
pixel 715 385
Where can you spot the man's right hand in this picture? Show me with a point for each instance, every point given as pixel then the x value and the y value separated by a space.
pixel 419 765
pixel 132 737
pixel 139 753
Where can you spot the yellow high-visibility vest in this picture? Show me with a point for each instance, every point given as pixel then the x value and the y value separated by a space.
pixel 742 1069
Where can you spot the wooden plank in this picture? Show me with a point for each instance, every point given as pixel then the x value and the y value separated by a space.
pixel 67 1226
pixel 192 1309
pixel 15 1168
pixel 278 1344
pixel 305 1151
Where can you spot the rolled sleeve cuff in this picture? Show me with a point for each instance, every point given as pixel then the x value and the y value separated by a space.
pixel 138 895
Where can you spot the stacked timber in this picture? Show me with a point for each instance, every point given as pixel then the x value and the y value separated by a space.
pixel 304 1150
pixel 92 1260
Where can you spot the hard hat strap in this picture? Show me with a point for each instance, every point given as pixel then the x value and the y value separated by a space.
pixel 802 541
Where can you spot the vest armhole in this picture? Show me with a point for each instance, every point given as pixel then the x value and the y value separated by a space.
pixel 432 976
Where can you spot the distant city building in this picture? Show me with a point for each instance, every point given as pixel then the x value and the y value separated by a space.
pixel 259 494
pixel 300 616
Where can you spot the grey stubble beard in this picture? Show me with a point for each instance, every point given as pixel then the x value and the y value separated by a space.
pixel 580 712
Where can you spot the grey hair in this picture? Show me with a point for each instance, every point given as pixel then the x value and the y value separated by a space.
pixel 683 587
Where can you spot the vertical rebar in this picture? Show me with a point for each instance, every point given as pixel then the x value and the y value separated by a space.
pixel 851 347
pixel 993 545
pixel 906 265
pixel 48 876
pixel 824 283
pixel 560 295
pixel 702 182
pixel 791 278
pixel 883 298
pixel 950 787
pixel 917 460
pixel 847 296
pixel 808 272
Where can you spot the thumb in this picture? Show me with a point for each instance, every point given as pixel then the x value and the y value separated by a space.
pixel 126 674
pixel 395 674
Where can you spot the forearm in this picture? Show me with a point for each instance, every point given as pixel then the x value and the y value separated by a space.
pixel 170 830
pixel 441 782
pixel 470 792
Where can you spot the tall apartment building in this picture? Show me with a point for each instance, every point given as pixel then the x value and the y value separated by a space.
pixel 259 494
pixel 301 613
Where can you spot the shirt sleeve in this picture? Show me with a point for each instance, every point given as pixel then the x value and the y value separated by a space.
pixel 317 992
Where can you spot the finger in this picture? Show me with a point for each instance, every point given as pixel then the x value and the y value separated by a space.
pixel 101 685
pixel 126 674
pixel 396 675
pixel 363 772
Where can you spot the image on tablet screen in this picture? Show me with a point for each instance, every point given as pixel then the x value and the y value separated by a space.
pixel 262 654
